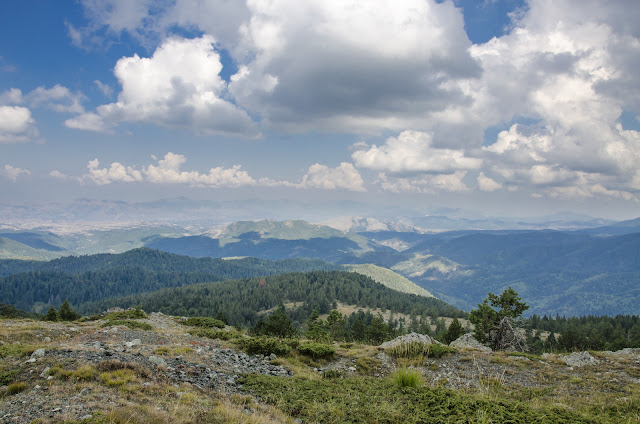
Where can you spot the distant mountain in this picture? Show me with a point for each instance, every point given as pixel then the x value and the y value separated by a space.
pixel 270 240
pixel 619 228
pixel 12 249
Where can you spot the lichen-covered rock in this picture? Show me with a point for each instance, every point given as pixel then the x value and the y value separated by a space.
pixel 579 359
pixel 467 341
pixel 409 338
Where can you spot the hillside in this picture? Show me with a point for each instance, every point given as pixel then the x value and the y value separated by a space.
pixel 242 301
pixel 94 372
pixel 12 249
pixel 33 285
pixel 389 278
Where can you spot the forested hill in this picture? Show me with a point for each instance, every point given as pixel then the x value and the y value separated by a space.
pixel 34 285
pixel 242 301
pixel 158 261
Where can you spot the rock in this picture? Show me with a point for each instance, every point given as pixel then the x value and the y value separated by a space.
pixel 134 342
pixel 272 357
pixel 38 353
pixel 579 359
pixel 30 361
pixel 158 361
pixel 467 341
pixel 44 372
pixel 409 338
pixel 47 339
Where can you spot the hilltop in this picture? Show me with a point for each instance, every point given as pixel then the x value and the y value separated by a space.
pixel 91 373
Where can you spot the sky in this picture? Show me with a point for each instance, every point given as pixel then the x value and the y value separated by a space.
pixel 503 107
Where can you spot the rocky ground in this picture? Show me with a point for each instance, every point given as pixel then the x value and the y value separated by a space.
pixel 82 370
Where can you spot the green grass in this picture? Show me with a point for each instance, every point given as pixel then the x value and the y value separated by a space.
pixel 418 349
pixel 371 400
pixel 405 377
pixel 128 314
pixel 215 334
pixel 128 323
pixel 16 349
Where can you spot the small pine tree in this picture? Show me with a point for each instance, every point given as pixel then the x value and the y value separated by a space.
pixel 66 313
pixel 52 314
pixel 454 331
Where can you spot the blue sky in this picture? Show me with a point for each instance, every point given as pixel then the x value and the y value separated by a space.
pixel 502 107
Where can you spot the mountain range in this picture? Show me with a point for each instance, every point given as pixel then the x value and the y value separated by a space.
pixel 593 270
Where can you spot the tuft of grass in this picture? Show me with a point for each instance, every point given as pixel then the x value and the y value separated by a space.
pixel 128 323
pixel 16 349
pixel 406 377
pixel 415 350
pixel 15 388
pixel 367 366
pixel 529 356
pixel 118 377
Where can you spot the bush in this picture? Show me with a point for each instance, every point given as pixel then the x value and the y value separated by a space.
pixel 317 350
pixel 204 322
pixel 330 374
pixel 266 346
pixel 137 313
pixel 405 377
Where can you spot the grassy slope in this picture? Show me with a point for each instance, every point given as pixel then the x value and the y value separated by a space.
pixel 10 249
pixel 389 278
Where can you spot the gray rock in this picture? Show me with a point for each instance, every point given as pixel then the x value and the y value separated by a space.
pixel 158 361
pixel 579 359
pixel 47 339
pixel 467 341
pixel 409 338
pixel 38 353
pixel 44 372
pixel 134 342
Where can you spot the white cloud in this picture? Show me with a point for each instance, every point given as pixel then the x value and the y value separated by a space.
pixel 16 124
pixel 12 173
pixel 179 86
pixel 88 122
pixel 345 176
pixel 412 151
pixel 58 175
pixel 104 88
pixel 487 184
pixel 115 173
pixel 12 96
pixel 424 184
pixel 57 98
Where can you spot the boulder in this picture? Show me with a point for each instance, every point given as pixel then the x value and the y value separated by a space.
pixel 410 338
pixel 579 359
pixel 467 341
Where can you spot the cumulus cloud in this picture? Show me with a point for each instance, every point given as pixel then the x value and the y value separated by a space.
pixel 104 88
pixel 168 170
pixel 12 96
pixel 344 176
pixel 487 184
pixel 16 124
pixel 12 173
pixel 351 65
pixel 179 86
pixel 57 98
pixel 412 151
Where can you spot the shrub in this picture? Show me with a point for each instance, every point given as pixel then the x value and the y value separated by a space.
pixel 317 350
pixel 118 377
pixel 204 322
pixel 266 346
pixel 7 376
pixel 331 374
pixel 137 313
pixel 405 377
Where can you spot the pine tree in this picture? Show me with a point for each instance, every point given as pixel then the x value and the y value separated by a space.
pixel 52 314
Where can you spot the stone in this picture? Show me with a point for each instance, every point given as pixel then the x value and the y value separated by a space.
pixel 467 341
pixel 134 342
pixel 38 353
pixel 158 361
pixel 579 359
pixel 47 339
pixel 44 372
pixel 409 338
